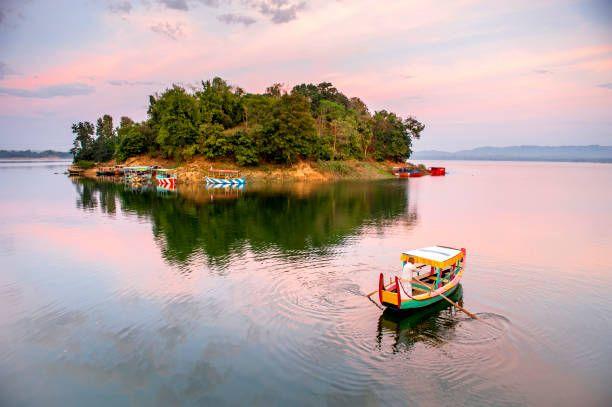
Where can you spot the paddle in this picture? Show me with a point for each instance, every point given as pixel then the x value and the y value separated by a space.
pixel 459 307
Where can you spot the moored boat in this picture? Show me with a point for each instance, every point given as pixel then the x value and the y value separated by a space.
pixel 406 172
pixel 224 177
pixel 75 170
pixel 102 171
pixel 165 178
pixel 137 175
pixel 437 171
pixel 427 275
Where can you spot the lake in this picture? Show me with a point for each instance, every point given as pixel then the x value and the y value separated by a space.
pixel 119 296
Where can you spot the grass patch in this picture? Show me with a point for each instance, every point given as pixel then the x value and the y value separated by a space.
pixel 85 164
pixel 335 167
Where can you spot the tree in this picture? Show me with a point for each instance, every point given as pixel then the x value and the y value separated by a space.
pixel 83 141
pixel 323 91
pixel 276 90
pixel 291 132
pixel 176 115
pixel 220 104
pixel 134 139
pixel 391 138
pixel 105 143
pixel 365 136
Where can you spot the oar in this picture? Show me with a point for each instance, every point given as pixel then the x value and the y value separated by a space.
pixel 459 307
pixel 473 316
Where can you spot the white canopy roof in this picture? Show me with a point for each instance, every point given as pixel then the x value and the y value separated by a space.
pixel 435 254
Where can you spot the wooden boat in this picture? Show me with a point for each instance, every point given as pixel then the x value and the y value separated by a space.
pixel 75 170
pixel 137 175
pixel 165 178
pixel 432 272
pixel 105 170
pixel 437 171
pixel 406 172
pixel 224 177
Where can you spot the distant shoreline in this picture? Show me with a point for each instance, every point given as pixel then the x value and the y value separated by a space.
pixel 590 153
pixel 34 155
pixel 551 160
pixel 35 160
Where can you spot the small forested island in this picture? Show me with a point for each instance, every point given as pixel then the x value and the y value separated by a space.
pixel 217 122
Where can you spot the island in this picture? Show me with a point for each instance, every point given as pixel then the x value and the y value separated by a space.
pixel 313 131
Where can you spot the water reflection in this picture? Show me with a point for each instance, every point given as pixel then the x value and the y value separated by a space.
pixel 219 222
pixel 432 325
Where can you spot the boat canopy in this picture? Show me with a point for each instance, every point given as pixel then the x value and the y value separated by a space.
pixel 219 171
pixel 437 256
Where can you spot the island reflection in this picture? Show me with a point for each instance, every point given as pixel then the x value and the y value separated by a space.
pixel 295 219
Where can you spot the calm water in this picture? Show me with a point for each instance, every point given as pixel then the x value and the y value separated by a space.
pixel 111 296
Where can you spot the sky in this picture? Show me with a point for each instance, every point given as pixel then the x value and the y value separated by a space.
pixel 476 73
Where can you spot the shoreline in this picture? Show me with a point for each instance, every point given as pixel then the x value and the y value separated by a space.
pixel 195 170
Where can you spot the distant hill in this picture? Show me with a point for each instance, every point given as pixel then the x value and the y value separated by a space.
pixel 34 154
pixel 594 153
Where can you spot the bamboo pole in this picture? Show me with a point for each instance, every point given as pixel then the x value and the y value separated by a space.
pixel 459 307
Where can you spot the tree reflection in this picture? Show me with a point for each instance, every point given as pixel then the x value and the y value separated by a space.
pixel 292 219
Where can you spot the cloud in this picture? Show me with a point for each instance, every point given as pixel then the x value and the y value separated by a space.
pixel 123 82
pixel 47 92
pixel 279 11
pixel 542 71
pixel 171 31
pixel 605 85
pixel 175 4
pixel 185 5
pixel 9 8
pixel 236 19
pixel 120 7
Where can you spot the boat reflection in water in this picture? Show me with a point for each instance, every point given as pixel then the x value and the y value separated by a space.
pixel 224 191
pixel 431 325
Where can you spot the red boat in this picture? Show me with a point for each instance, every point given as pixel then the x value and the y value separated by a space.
pixel 406 172
pixel 437 171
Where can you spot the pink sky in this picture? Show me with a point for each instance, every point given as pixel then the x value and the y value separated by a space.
pixel 475 72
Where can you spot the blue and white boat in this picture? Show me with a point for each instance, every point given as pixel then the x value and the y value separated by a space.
pixel 224 177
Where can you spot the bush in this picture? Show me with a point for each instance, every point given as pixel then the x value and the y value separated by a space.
pixel 84 164
pixel 336 167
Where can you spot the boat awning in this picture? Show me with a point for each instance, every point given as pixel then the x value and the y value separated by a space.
pixel 437 256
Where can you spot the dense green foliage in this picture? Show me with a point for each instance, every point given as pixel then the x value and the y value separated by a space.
pixel 218 121
pixel 102 147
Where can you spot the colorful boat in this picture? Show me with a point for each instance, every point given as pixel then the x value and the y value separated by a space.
pixel 437 171
pixel 224 177
pixel 428 273
pixel 406 172
pixel 137 175
pixel 75 170
pixel 165 178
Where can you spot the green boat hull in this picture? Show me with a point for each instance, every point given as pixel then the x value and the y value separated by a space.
pixel 416 304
